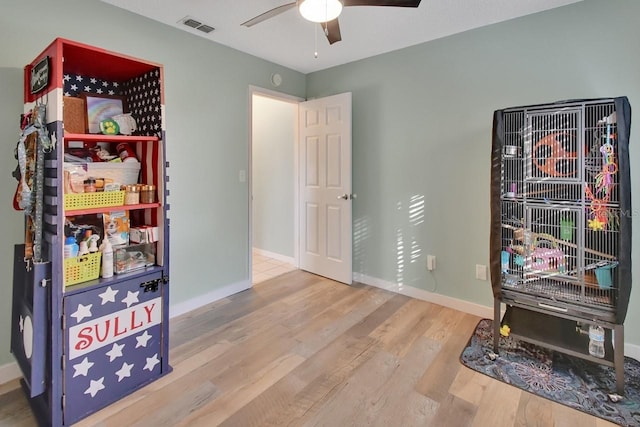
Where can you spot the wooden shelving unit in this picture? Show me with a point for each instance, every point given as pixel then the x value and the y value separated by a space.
pixel 90 344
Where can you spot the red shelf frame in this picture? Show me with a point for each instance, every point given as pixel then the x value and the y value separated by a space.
pixel 111 209
pixel 90 137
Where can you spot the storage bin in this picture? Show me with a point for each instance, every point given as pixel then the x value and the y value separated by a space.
pixel 133 257
pixel 81 269
pixel 122 173
pixel 99 199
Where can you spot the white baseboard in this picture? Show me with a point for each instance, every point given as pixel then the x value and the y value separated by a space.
pixel 630 350
pixel 215 295
pixel 279 257
pixel 9 372
pixel 457 304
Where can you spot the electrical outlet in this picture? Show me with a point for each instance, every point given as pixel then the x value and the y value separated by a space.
pixel 481 272
pixel 431 262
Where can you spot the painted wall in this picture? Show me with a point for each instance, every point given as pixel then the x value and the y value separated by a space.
pixel 207 120
pixel 10 225
pixel 273 139
pixel 422 121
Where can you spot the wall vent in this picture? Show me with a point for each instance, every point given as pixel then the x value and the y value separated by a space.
pixel 197 25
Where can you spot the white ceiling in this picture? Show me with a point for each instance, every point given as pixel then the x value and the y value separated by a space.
pixel 289 40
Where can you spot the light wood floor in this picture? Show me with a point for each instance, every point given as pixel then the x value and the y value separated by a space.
pixel 300 350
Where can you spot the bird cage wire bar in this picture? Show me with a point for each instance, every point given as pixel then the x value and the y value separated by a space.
pixel 559 204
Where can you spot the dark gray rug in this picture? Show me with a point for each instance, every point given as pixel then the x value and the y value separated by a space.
pixel 567 380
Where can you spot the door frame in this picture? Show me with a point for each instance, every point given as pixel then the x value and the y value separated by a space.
pixel 283 97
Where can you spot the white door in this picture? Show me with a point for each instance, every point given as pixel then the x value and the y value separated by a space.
pixel 325 187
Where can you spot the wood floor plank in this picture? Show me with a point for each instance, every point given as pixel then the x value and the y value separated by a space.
pixel 454 412
pixel 533 411
pixel 436 381
pixel 397 402
pixel 469 385
pixel 304 350
pixel 498 406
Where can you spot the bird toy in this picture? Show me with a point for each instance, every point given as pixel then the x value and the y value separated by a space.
pixel 603 185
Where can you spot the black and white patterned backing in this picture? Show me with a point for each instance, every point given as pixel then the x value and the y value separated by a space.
pixel 145 102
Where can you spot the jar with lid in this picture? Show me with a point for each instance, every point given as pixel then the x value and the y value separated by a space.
pixel 131 194
pixel 90 185
pixel 148 194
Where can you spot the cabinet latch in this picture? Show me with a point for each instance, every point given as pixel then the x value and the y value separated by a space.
pixel 151 285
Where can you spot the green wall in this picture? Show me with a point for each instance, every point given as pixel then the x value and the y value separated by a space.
pixel 273 143
pixel 11 223
pixel 207 120
pixel 422 121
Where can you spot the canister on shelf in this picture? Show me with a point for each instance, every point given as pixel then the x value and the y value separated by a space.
pixel 90 185
pixel 131 194
pixel 148 194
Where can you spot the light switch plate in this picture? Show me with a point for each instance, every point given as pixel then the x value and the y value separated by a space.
pixel 481 272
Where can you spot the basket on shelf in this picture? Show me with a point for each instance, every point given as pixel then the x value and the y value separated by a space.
pixel 82 268
pixel 99 199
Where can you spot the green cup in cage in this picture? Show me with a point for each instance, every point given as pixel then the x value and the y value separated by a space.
pixel 604 276
pixel 566 229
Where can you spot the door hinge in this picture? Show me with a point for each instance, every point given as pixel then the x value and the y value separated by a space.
pixel 165 279
pixel 64 401
pixel 62 363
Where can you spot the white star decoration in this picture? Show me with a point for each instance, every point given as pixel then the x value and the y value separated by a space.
pixel 109 295
pixel 67 77
pixel 82 312
pixel 74 87
pixel 143 339
pixel 21 323
pixel 82 368
pixel 115 352
pixel 79 78
pixel 132 297
pixel 95 387
pixel 124 372
pixel 151 362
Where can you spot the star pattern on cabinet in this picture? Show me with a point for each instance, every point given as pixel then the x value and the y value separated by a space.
pixel 131 298
pixel 82 368
pixel 124 371
pixel 94 387
pixel 143 339
pixel 75 84
pixel 151 362
pixel 115 352
pixel 81 312
pixel 109 295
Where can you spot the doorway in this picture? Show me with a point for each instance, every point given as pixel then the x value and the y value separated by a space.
pixel 273 233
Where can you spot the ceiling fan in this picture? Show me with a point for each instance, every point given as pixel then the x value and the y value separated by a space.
pixel 326 12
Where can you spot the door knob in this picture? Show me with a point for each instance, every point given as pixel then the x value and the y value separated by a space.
pixel 344 197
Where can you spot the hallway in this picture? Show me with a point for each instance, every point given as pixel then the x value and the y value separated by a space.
pixel 265 268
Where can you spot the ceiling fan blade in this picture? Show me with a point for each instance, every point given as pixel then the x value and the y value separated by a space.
pixel 332 31
pixel 395 3
pixel 269 14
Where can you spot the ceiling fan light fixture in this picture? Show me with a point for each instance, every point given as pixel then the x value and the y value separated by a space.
pixel 320 10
